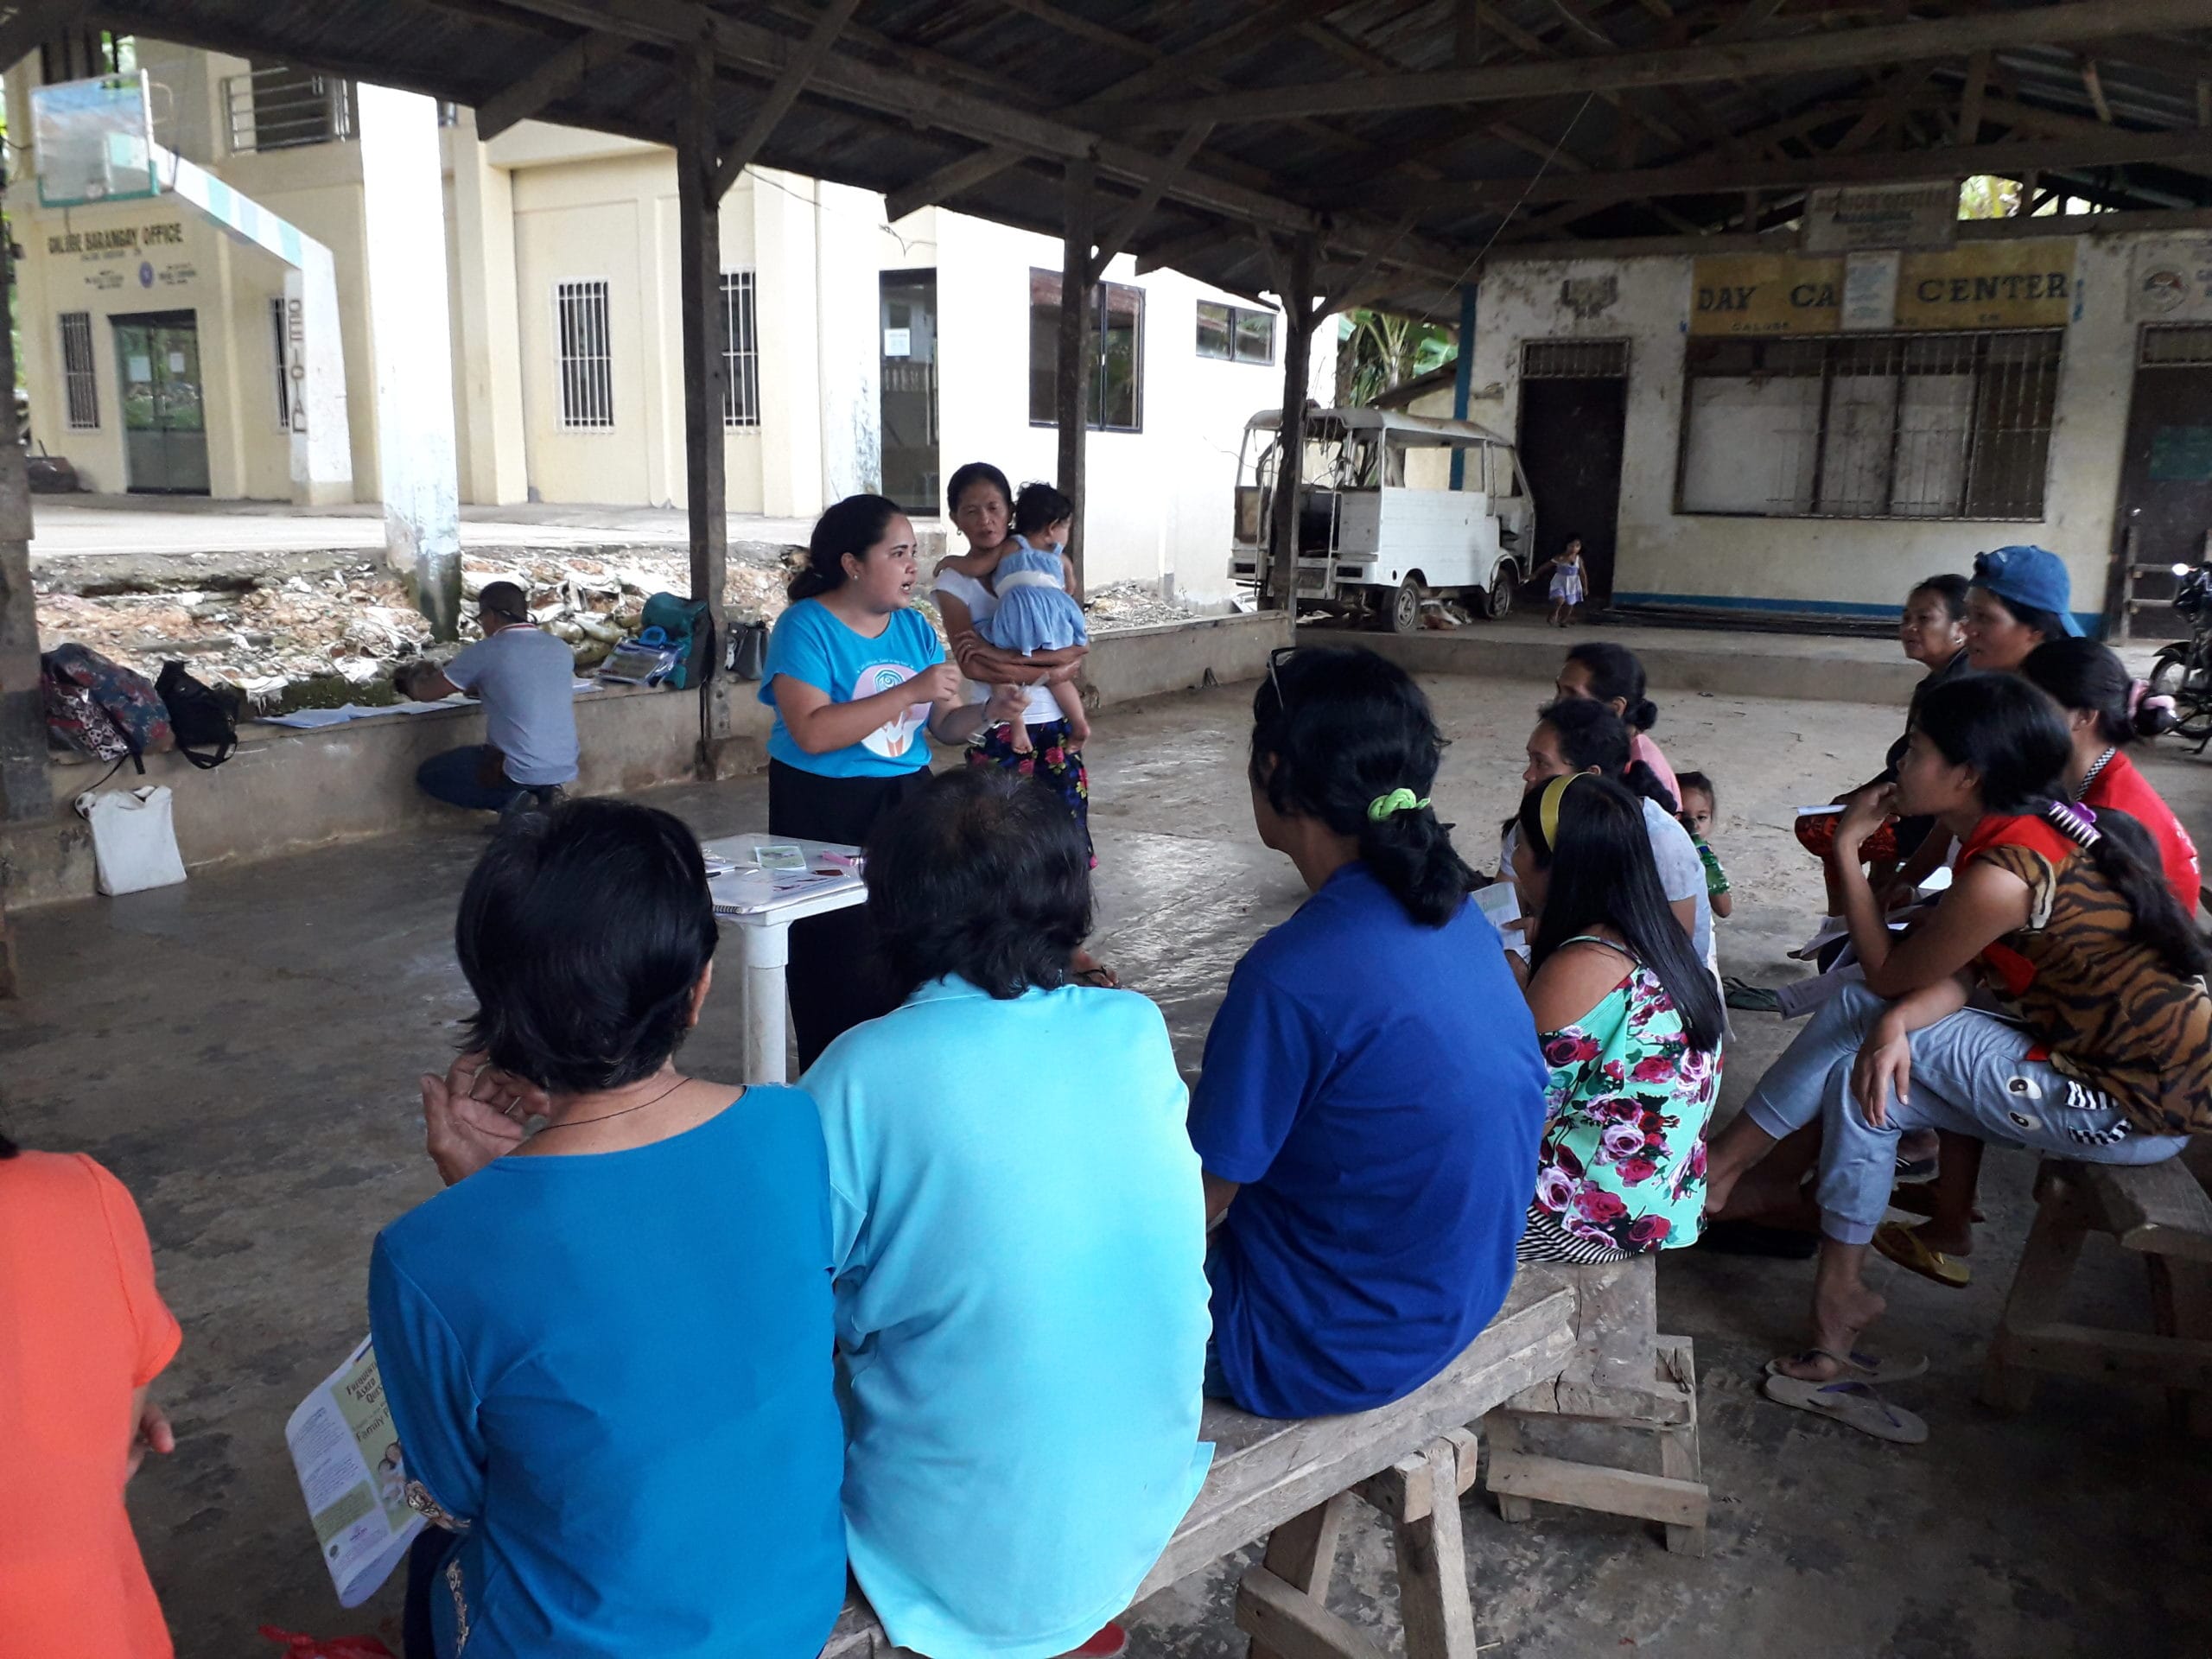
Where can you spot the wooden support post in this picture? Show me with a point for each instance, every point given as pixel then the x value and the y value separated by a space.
pixel 1290 456
pixel 1463 376
pixel 1433 1595
pixel 1078 344
pixel 2037 1297
pixel 24 794
pixel 699 270
pixel 1303 1554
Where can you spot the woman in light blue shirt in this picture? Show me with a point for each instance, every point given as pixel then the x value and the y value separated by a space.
pixel 855 676
pixel 1018 1240
pixel 607 1354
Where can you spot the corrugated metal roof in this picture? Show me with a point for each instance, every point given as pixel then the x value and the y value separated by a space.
pixel 1426 189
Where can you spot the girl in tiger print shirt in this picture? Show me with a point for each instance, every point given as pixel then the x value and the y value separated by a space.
pixel 2091 1032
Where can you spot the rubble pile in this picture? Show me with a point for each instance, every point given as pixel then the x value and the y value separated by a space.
pixel 331 634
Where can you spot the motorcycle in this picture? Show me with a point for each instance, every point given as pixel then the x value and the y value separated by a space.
pixel 2183 669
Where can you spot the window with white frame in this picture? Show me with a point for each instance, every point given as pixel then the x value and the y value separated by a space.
pixel 1235 335
pixel 79 382
pixel 585 364
pixel 741 352
pixel 277 344
pixel 1870 426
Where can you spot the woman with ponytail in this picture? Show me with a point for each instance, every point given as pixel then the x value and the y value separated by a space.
pixel 1575 735
pixel 1372 1095
pixel 853 675
pixel 2106 710
pixel 1612 675
pixel 1630 1024
pixel 2059 913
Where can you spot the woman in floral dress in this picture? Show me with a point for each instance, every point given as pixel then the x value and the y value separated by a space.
pixel 1631 1024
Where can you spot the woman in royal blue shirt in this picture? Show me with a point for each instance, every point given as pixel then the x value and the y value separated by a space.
pixel 607 1354
pixel 855 676
pixel 1373 1092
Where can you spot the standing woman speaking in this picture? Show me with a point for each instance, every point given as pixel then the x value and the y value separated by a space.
pixel 853 676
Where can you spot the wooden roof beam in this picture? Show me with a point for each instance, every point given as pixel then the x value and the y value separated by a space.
pixel 1859 49
pixel 900 98
pixel 783 94
pixel 1729 177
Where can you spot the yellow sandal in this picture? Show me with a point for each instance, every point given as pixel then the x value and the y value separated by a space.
pixel 1904 1246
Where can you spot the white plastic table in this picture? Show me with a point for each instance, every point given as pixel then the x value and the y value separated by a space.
pixel 761 905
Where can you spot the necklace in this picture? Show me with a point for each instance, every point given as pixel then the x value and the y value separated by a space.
pixel 578 1122
pixel 2090 776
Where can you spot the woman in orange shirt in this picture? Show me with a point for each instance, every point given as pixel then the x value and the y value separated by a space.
pixel 83 1333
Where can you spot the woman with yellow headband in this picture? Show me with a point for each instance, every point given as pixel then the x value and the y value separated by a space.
pixel 1372 1095
pixel 1631 1024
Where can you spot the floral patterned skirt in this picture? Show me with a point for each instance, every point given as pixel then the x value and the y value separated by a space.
pixel 1051 762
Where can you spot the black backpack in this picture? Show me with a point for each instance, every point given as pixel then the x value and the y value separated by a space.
pixel 202 717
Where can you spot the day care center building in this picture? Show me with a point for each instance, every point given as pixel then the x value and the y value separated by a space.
pixel 1813 429
pixel 862 354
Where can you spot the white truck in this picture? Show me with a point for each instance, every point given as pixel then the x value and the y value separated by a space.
pixel 1380 528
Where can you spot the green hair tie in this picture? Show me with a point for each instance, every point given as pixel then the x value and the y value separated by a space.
pixel 1398 800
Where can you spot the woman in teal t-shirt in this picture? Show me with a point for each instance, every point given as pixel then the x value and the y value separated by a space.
pixel 855 677
pixel 1630 1024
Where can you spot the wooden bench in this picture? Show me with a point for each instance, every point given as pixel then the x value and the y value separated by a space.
pixel 1557 1347
pixel 2160 1211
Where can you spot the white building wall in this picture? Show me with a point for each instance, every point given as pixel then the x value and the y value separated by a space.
pixel 1780 562
pixel 1159 501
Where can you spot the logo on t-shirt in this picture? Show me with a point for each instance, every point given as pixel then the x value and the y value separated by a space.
pixel 895 736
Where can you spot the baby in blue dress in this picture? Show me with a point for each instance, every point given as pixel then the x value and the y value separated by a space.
pixel 1035 612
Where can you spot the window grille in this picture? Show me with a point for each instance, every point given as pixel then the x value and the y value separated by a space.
pixel 79 380
pixel 586 363
pixel 1574 359
pixel 741 352
pixel 1870 426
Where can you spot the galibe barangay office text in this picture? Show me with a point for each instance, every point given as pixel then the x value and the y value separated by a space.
pixel 1807 432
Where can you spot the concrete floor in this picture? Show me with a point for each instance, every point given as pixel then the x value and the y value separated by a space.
pixel 241 1051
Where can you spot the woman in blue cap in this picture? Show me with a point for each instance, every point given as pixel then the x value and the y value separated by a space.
pixel 2019 598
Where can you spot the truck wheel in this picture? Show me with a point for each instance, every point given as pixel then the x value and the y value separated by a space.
pixel 1405 606
pixel 1498 598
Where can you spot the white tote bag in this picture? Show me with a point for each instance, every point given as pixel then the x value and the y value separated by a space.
pixel 134 839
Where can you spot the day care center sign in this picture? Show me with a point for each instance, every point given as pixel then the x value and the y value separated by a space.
pixel 1979 285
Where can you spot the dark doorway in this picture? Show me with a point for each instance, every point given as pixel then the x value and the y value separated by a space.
pixel 164 420
pixel 909 329
pixel 2166 475
pixel 1574 426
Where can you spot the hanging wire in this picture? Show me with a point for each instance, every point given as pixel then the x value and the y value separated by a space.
pixel 1535 178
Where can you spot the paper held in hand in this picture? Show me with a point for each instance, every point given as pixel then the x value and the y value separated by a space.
pixel 346 1454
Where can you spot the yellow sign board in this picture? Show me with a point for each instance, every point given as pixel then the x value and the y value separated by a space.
pixel 1976 285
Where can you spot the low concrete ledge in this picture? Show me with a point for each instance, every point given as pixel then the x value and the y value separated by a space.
pixel 284 790
pixel 1746 665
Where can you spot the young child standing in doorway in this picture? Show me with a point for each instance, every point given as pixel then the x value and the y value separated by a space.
pixel 1032 579
pixel 1566 587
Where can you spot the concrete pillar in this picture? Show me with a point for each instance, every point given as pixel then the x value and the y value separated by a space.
pixel 488 333
pixel 849 307
pixel 785 299
pixel 403 197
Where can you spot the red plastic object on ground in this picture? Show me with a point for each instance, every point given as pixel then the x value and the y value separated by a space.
pixel 297 1646
pixel 1816 833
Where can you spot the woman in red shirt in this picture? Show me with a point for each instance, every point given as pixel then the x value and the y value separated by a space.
pixel 83 1333
pixel 2107 708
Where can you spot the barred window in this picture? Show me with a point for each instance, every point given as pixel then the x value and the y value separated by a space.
pixel 741 352
pixel 1870 426
pixel 79 382
pixel 585 366
pixel 1574 359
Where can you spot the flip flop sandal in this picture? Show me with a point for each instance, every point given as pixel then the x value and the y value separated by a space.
pixel 1855 1405
pixel 1102 976
pixel 1859 1367
pixel 1904 1246
pixel 1917 1200
pixel 1916 1172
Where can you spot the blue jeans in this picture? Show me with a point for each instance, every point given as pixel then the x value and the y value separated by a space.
pixel 453 777
pixel 1971 1074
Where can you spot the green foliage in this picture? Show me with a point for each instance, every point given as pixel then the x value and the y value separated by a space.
pixel 1378 352
pixel 1987 196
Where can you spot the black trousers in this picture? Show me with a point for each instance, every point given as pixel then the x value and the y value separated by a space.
pixel 836 977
